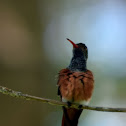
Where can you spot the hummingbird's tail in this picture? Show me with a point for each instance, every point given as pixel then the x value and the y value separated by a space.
pixel 71 116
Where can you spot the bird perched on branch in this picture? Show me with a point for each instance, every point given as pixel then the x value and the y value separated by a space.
pixel 75 84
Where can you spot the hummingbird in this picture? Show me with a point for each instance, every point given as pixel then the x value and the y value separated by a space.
pixel 75 84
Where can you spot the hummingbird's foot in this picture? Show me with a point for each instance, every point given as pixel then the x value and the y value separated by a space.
pixel 69 104
pixel 80 106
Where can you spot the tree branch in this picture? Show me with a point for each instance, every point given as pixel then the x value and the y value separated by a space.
pixel 17 94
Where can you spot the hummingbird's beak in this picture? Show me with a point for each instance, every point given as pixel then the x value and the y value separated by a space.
pixel 74 45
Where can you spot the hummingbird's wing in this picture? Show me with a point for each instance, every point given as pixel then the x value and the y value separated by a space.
pixel 75 86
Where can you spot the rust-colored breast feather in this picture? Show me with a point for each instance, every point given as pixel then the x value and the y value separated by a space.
pixel 76 86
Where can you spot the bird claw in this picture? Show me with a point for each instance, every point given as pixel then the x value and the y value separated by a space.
pixel 80 106
pixel 69 104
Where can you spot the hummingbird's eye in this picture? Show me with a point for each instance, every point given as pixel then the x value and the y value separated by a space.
pixel 84 49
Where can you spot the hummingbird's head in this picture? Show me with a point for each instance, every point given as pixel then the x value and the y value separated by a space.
pixel 79 49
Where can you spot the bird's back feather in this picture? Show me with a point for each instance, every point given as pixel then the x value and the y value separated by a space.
pixel 76 86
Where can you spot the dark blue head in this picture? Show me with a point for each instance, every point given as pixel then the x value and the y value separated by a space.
pixel 80 55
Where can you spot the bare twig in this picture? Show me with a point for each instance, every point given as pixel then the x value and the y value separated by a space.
pixel 17 94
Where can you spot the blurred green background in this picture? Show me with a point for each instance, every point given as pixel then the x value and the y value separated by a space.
pixel 33 48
